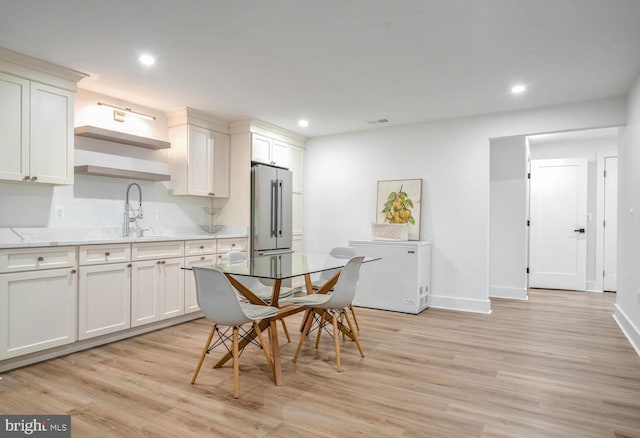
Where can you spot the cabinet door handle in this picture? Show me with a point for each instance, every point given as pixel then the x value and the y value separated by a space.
pixel 163 262
pixel 233 244
pixel 129 265
pixel 26 178
pixel 73 271
pixel 107 254
pixel 202 258
pixel 41 259
pixel 34 178
pixel 158 262
pixel 201 246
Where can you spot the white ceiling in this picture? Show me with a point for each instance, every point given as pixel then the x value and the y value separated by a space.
pixel 338 63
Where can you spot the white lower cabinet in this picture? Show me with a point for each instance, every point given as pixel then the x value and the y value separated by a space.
pixel 104 299
pixel 190 296
pixel 37 310
pixel 157 290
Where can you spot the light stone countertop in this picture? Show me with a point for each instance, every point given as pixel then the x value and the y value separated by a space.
pixel 42 237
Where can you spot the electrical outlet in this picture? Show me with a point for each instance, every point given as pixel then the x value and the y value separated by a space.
pixel 59 212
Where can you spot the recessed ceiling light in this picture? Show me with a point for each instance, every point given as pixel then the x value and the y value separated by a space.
pixel 303 123
pixel 147 59
pixel 517 89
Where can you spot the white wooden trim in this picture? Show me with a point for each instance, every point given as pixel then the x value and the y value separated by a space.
pixel 38 70
pixel 460 304
pixel 629 329
pixel 511 293
pixel 600 163
pixel 40 356
pixel 187 115
pixel 264 128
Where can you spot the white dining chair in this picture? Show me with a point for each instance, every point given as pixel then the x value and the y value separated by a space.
pixel 339 252
pixel 258 288
pixel 332 308
pixel 219 304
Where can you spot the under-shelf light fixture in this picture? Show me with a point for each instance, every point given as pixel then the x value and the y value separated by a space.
pixel 120 114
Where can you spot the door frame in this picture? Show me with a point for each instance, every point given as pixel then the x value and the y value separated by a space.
pixel 598 285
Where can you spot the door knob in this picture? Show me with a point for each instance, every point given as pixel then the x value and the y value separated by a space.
pixel 579 230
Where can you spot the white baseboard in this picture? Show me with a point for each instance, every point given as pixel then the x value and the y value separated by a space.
pixel 512 293
pixel 28 359
pixel 461 304
pixel 628 328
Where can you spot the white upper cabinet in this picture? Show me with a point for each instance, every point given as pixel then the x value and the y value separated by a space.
pixel 269 151
pixel 199 161
pixel 14 127
pixel 51 135
pixel 36 131
pixel 36 120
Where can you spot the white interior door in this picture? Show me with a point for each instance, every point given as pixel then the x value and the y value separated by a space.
pixel 610 223
pixel 558 243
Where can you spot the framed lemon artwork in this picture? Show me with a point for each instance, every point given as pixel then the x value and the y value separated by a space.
pixel 399 202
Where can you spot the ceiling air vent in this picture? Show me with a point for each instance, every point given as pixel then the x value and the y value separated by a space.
pixel 378 121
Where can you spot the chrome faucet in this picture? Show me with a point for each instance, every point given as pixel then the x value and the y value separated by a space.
pixel 127 211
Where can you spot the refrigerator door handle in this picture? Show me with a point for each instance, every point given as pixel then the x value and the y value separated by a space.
pixel 274 211
pixel 280 197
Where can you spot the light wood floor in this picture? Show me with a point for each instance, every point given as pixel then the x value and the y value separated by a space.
pixel 554 366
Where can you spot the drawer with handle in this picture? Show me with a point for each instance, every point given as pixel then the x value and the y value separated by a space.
pixel 195 247
pixel 99 254
pixel 226 245
pixel 157 250
pixel 32 259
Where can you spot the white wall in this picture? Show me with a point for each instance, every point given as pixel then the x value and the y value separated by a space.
pixel 627 311
pixel 591 150
pixel 508 215
pixel 452 158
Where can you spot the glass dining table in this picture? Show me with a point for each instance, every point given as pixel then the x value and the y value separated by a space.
pixel 279 268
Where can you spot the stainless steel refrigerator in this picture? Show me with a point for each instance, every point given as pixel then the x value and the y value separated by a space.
pixel 271 213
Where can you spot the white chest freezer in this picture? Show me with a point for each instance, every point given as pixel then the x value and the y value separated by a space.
pixel 401 281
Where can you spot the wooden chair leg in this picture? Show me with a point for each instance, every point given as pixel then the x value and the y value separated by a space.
pixel 236 365
pixel 307 313
pixel 264 345
pixel 303 335
pixel 353 312
pixel 204 353
pixel 336 339
pixel 286 332
pixel 353 332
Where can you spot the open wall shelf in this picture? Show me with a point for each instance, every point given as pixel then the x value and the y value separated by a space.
pixel 121 137
pixel 121 173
